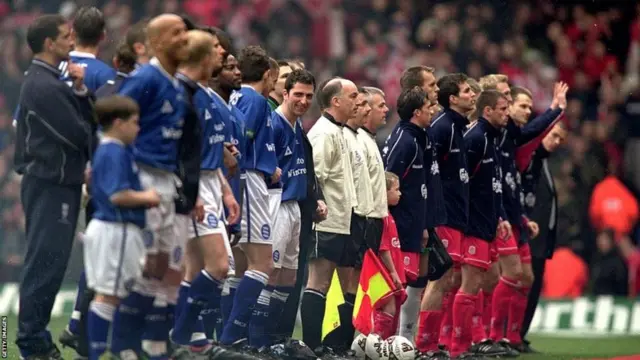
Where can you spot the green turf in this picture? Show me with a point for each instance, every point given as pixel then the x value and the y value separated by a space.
pixel 551 347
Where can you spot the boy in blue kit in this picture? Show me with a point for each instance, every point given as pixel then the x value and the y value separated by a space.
pixel 486 214
pixel 114 246
pixel 261 167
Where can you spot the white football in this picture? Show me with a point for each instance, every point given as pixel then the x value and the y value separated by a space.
pixel 376 348
pixel 358 346
pixel 402 349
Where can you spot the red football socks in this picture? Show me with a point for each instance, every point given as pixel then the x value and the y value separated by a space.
pixel 428 330
pixel 505 290
pixel 517 308
pixel 464 306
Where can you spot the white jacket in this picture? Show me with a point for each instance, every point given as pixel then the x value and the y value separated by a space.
pixel 376 174
pixel 333 170
pixel 360 171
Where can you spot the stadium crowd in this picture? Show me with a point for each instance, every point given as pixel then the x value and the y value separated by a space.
pixel 470 191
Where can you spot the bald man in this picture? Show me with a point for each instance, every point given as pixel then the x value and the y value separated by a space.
pixel 162 116
pixel 334 247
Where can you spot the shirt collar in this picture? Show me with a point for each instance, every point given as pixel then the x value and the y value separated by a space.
pixel 156 63
pixel 278 111
pixel 46 66
pixel 458 119
pixel 82 54
pixel 110 140
pixel 492 130
pixel 364 128
pixel 355 131
pixel 121 74
pixel 192 84
pixel 332 119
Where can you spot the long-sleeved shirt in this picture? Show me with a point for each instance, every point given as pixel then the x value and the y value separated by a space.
pixel 333 170
pixel 485 183
pixel 436 213
pixel 403 155
pixel 447 131
pixel 376 174
pixel 511 138
pixel 53 135
pixel 360 171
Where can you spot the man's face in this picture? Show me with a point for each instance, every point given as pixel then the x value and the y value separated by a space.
pixel 347 100
pixel 430 86
pixel 363 109
pixel 63 44
pixel 555 138
pixel 379 111
pixel 282 77
pixel 520 109
pixel 505 90
pixel 230 77
pixel 174 41
pixel 426 113
pixel 271 80
pixel 498 116
pixel 299 98
pixel 217 58
pixel 466 99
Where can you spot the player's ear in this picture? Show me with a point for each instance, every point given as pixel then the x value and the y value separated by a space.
pixel 266 75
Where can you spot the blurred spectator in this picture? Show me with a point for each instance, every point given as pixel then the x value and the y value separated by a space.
pixel 565 275
pixel 609 273
pixel 613 207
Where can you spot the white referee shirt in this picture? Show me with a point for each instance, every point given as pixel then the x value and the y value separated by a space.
pixel 378 182
pixel 333 170
pixel 360 172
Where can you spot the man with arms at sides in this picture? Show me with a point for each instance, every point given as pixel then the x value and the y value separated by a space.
pixel 422 77
pixel 513 278
pixel 288 136
pixel 52 149
pixel 403 155
pixel 88 31
pixel 540 204
pixel 349 273
pixel 333 169
pixel 261 168
pixel 446 133
pixel 163 107
pixel 136 39
pixel 276 97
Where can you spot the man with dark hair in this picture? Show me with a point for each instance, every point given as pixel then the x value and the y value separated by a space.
pixel 403 158
pixel 89 31
pixel 124 61
pixel 274 70
pixel 446 132
pixel 262 170
pixel 290 149
pixel 333 169
pixel 52 149
pixel 422 77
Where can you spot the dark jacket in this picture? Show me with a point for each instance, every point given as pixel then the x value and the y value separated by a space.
pixel 189 152
pixel 447 131
pixel 540 203
pixel 403 155
pixel 309 205
pixel 111 86
pixel 485 183
pixel 436 213
pixel 53 140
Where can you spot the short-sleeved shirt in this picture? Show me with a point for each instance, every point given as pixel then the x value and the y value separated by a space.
pixel 390 242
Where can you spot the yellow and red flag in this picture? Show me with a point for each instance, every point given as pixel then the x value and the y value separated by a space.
pixel 374 290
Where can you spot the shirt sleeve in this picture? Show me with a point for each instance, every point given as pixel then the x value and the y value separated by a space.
pixel 538 126
pixel 385 242
pixel 136 87
pixel 442 136
pixel 475 152
pixel 323 153
pixel 255 115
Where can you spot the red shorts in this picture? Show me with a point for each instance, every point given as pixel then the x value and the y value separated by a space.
pixel 452 241
pixel 411 265
pixel 508 246
pixel 476 252
pixel 525 253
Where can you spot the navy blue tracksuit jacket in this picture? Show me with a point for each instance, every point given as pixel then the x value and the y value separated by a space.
pixel 403 155
pixel 447 131
pixel 485 185
pixel 436 213
pixel 511 138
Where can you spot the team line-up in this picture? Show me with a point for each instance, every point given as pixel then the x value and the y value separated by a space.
pixel 207 202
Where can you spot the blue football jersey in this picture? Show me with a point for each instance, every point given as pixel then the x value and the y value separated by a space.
pixel 260 152
pixel 114 170
pixel 290 152
pixel 162 104
pixel 96 72
pixel 213 128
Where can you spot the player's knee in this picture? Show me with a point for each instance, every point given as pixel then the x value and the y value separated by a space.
pixel 218 269
pixel 472 278
pixel 455 279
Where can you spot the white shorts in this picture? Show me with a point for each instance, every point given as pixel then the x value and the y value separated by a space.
pixel 286 237
pixel 160 220
pixel 114 256
pixel 257 219
pixel 210 191
pixel 181 226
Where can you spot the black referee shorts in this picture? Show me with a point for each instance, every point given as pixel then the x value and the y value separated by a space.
pixel 370 239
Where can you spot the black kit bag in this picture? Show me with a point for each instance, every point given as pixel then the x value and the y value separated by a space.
pixel 439 259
